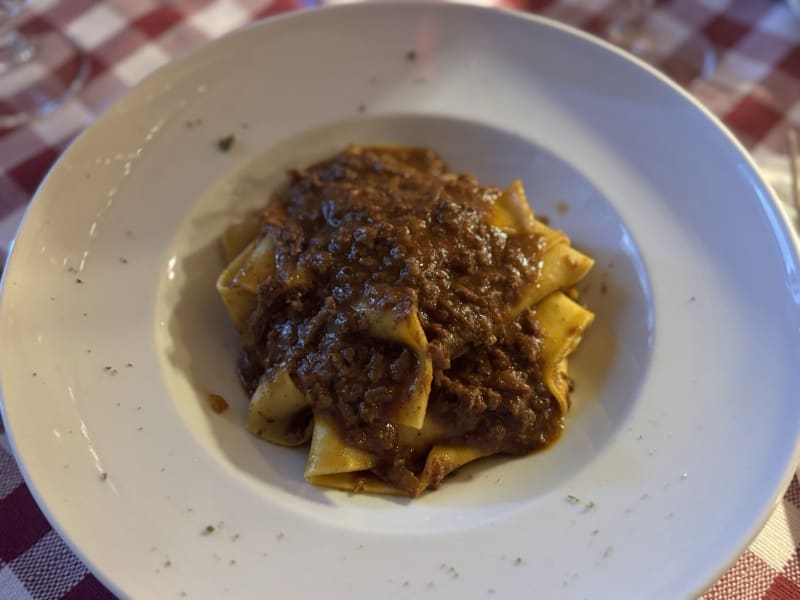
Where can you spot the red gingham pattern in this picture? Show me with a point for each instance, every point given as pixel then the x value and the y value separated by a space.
pixel 755 91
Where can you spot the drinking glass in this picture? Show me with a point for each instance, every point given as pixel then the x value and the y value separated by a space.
pixel 39 71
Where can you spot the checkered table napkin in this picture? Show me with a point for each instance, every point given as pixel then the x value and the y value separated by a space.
pixel 755 90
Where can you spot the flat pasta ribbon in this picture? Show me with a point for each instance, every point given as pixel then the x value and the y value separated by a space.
pixel 333 463
pixel 562 268
pixel 274 410
pixel 512 214
pixel 563 323
pixel 238 283
pixel 385 325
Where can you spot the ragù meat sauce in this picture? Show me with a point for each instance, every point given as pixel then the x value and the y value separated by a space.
pixel 392 228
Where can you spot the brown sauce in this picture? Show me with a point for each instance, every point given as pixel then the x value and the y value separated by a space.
pixel 395 229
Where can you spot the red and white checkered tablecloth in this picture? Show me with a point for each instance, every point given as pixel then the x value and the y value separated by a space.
pixel 755 90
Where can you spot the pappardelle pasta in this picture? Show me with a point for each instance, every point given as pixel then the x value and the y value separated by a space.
pixel 402 320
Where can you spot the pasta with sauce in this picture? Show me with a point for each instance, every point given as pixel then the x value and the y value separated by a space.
pixel 401 319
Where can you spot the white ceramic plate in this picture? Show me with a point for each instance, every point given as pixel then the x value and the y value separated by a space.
pixel 685 425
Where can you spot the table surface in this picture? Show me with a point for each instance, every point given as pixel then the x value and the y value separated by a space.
pixel 755 90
